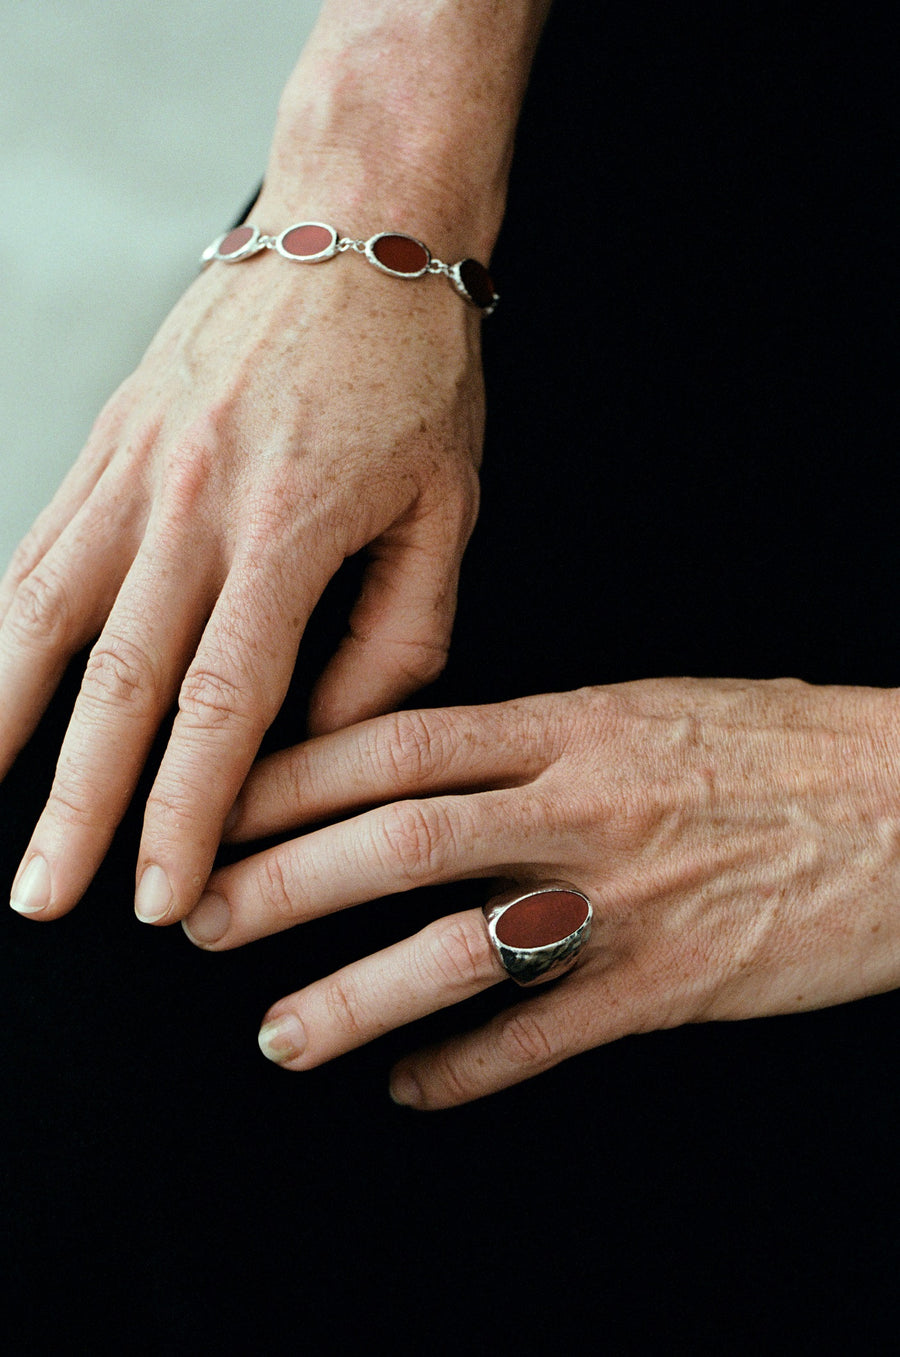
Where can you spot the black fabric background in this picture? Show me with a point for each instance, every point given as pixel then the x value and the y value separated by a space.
pixel 690 469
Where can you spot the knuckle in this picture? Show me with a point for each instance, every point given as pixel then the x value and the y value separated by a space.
pixel 424 661
pixel 72 804
pixel 26 556
pixel 273 519
pixel 275 887
pixel 121 673
pixel 447 1083
pixel 466 499
pixel 417 837
pixel 292 787
pixel 523 1041
pixel 461 956
pixel 41 610
pixel 176 803
pixel 345 1009
pixel 211 700
pixel 404 745
pixel 189 469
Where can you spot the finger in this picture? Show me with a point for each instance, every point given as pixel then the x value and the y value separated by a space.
pixel 550 1025
pixel 395 848
pixel 399 631
pixel 229 697
pixel 56 610
pixel 129 683
pixel 447 962
pixel 407 753
pixel 78 484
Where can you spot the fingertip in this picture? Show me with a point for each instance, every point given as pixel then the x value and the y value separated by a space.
pixel 154 896
pixel 209 921
pixel 31 889
pixel 406 1091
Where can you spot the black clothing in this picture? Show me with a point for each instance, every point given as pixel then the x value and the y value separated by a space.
pixel 690 469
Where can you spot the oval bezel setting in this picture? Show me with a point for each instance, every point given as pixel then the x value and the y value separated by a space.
pixel 327 251
pixel 250 246
pixel 457 278
pixel 385 268
pixel 533 965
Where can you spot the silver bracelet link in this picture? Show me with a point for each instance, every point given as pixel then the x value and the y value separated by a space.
pixel 393 252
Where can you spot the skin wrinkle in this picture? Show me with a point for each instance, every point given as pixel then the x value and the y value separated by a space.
pixel 729 830
pixel 726 887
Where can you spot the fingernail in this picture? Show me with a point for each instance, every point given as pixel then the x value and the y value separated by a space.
pixel 31 892
pixel 405 1090
pixel 154 895
pixel 282 1039
pixel 209 921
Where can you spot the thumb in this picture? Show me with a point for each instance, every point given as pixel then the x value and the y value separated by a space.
pixel 399 631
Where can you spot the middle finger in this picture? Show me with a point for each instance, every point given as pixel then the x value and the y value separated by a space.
pixel 395 848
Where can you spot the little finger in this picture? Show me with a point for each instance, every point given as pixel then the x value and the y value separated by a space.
pixel 446 962
pixel 54 612
pixel 128 685
pixel 571 1015
pixel 51 522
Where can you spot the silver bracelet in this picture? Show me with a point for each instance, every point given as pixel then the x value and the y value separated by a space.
pixel 402 256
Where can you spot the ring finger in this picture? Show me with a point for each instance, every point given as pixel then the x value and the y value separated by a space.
pixel 448 961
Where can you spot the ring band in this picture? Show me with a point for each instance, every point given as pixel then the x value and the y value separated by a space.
pixel 538 932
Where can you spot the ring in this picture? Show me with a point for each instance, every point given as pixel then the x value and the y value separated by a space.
pixel 537 933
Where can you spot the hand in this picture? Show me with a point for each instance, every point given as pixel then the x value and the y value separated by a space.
pixel 740 842
pixel 284 418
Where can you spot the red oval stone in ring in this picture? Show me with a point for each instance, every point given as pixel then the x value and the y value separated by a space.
pixel 542 919
pixel 401 254
pixel 307 239
pixel 235 241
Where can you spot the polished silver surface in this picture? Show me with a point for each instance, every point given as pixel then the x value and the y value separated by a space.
pixel 453 273
pixel 256 243
pixel 341 245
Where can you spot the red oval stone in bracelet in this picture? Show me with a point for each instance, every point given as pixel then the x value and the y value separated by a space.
pixel 237 244
pixel 473 282
pixel 403 256
pixel 307 242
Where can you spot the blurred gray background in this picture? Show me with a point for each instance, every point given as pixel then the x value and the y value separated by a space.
pixel 131 135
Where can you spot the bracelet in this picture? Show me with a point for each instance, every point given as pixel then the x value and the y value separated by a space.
pixel 402 256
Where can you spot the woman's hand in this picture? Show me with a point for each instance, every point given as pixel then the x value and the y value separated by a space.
pixel 285 417
pixel 740 842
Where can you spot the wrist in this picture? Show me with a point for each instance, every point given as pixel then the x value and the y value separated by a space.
pixel 401 116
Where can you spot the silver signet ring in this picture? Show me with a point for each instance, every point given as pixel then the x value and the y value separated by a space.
pixel 537 932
